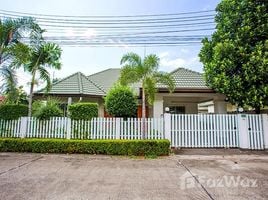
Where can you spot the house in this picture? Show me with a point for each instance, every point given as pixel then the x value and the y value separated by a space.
pixel 191 91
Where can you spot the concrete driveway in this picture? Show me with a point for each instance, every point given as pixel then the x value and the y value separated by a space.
pixel 54 176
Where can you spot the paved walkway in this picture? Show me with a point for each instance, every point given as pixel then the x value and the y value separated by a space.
pixel 54 176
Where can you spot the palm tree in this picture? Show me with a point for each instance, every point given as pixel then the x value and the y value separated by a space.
pixel 145 70
pixel 11 35
pixel 36 58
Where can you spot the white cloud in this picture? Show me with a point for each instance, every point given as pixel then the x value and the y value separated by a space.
pixel 169 62
pixel 163 54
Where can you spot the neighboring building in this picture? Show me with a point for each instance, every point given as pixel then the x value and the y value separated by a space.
pixel 190 91
pixel 2 99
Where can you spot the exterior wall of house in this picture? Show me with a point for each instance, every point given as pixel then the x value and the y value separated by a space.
pixel 189 102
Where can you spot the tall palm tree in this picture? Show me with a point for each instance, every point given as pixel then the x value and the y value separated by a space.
pixel 35 59
pixel 145 70
pixel 12 32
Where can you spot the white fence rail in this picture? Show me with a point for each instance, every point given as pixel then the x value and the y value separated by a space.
pixel 184 130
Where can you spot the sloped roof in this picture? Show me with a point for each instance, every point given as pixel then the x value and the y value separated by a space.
pixel 187 79
pixel 98 84
pixel 184 78
pixel 106 78
pixel 76 83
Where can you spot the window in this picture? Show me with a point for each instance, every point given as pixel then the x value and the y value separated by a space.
pixel 177 109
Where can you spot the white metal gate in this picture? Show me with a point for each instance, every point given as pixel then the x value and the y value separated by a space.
pixel 255 131
pixel 204 130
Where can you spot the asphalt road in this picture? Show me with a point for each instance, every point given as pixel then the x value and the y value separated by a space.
pixel 55 176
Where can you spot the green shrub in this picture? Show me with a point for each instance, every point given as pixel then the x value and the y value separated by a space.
pixel 12 111
pixel 45 110
pixel 84 111
pixel 121 102
pixel 110 147
pixel 48 111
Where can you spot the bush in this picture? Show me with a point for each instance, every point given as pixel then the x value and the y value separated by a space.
pixel 48 111
pixel 110 147
pixel 45 111
pixel 121 102
pixel 84 111
pixel 12 111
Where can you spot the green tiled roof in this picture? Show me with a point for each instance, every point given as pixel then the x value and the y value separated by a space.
pixel 77 83
pixel 106 78
pixel 185 78
pixel 100 83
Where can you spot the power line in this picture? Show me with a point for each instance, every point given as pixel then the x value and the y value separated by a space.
pixel 109 20
pixel 121 31
pixel 108 16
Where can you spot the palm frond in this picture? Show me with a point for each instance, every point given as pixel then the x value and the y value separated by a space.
pixel 19 54
pixel 45 76
pixel 128 75
pixel 166 79
pixel 131 59
pixel 151 63
pixel 149 85
pixel 8 79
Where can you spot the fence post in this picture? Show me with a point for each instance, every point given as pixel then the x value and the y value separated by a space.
pixel 167 126
pixel 265 129
pixel 23 126
pixel 117 128
pixel 68 127
pixel 243 131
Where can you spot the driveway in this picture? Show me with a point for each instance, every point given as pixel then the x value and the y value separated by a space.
pixel 54 176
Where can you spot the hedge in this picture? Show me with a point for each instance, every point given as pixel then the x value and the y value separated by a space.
pixel 12 111
pixel 109 147
pixel 84 111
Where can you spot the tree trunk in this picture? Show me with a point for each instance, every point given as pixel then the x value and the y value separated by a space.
pixel 31 96
pixel 144 135
pixel 257 110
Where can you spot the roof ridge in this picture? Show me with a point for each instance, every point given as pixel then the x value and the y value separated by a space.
pixel 189 70
pixel 103 71
pixel 95 84
pixel 81 89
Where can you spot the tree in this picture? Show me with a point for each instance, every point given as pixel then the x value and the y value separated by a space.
pixel 11 35
pixel 145 71
pixel 236 57
pixel 36 58
pixel 16 96
pixel 121 102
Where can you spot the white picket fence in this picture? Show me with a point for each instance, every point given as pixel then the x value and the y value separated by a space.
pixel 184 130
pixel 97 128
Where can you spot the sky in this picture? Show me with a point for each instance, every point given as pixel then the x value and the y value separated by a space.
pixel 89 60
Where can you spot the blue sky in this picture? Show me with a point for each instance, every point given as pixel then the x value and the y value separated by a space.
pixel 93 59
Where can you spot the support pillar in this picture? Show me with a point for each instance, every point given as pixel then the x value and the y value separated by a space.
pixel 265 129
pixel 158 107
pixel 220 107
